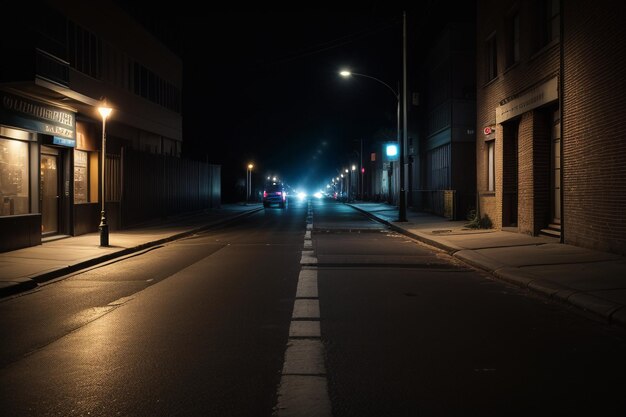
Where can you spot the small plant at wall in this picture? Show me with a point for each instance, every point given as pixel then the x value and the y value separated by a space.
pixel 476 222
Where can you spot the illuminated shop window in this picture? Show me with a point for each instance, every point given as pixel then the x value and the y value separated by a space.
pixel 85 177
pixel 14 198
pixel 81 177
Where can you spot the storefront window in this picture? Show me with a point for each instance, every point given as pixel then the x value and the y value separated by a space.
pixel 13 177
pixel 81 177
pixel 85 177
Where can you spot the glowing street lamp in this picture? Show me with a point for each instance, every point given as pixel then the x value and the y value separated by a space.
pixel 104 227
pixel 249 181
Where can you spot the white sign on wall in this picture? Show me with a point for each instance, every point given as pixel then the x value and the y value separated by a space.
pixel 538 96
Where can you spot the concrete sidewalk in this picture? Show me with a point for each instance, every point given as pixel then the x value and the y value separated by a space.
pixel 25 269
pixel 591 280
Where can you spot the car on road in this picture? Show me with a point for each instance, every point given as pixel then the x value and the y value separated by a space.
pixel 274 193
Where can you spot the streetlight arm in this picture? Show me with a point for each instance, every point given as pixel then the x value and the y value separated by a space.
pixel 395 94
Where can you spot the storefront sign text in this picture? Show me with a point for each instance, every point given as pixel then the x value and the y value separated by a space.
pixel 29 114
pixel 538 96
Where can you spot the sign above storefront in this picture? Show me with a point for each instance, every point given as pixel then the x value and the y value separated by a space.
pixel 536 97
pixel 32 115
pixel 63 142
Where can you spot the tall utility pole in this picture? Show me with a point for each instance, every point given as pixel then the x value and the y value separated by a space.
pixel 362 171
pixel 402 200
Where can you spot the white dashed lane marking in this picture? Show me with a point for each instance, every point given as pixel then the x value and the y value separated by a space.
pixel 303 389
pixel 305 328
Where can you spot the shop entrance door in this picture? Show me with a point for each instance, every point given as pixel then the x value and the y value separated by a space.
pixel 49 195
pixel 510 180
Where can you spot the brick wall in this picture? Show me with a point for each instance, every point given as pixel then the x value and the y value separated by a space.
pixel 535 66
pixel 594 130
pixel 542 125
pixel 525 177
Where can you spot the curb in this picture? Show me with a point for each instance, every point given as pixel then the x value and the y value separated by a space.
pixel 612 312
pixel 439 245
pixel 16 287
pixel 26 284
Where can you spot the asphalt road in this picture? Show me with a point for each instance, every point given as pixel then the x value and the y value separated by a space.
pixel 200 327
pixel 408 331
pixel 195 328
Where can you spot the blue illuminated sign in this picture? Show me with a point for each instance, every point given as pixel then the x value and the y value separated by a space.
pixel 391 150
pixel 64 142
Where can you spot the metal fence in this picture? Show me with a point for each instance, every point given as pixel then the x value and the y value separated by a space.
pixel 149 186
pixel 439 202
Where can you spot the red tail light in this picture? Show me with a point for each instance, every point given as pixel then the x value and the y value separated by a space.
pixel 278 193
pixel 264 194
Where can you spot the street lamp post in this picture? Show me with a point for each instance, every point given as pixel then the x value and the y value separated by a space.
pixel 362 171
pixel 347 184
pixel 249 181
pixel 399 138
pixel 353 169
pixel 104 227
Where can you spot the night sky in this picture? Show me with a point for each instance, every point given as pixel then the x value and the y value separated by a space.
pixel 264 88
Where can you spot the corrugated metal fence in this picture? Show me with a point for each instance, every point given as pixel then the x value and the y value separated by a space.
pixel 155 186
pixel 438 198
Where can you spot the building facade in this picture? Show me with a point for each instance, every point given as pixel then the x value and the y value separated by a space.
pixel 443 177
pixel 65 59
pixel 547 75
pixel 441 106
pixel 518 118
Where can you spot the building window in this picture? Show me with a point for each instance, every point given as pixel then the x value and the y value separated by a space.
pixel 552 20
pixel 549 22
pixel 513 40
pixel 492 58
pixel 14 193
pixel 491 165
pixel 85 51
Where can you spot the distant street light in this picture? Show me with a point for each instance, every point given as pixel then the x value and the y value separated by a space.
pixel 396 94
pixel 104 227
pixel 249 181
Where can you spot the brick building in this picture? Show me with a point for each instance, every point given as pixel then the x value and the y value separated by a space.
pixel 539 63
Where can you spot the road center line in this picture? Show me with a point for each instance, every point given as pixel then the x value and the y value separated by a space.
pixel 303 389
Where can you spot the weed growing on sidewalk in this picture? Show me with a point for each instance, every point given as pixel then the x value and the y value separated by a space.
pixel 477 222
